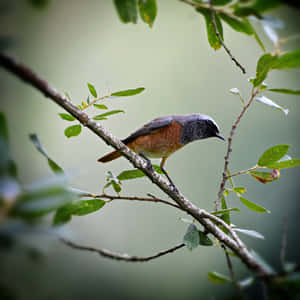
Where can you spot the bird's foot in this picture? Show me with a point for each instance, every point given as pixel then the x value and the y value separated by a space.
pixel 173 186
pixel 149 164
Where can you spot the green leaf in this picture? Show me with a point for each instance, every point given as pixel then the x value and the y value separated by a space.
pixel 240 190
pixel 255 7
pixel 130 92
pixel 84 207
pixel 221 2
pixel 148 11
pixel 253 206
pixel 264 5
pixel 226 216
pixel 288 60
pixel 116 186
pixel 109 113
pixel 244 11
pixel 211 34
pixel 63 215
pixel 100 106
pixel 133 174
pixel 67 117
pixel 204 239
pixel 73 130
pixel 271 103
pixel 264 65
pixel 127 10
pixel 52 164
pixel 216 277
pixel 273 154
pixel 290 163
pixel 240 25
pixel 191 239
pixel 285 91
pixel 78 208
pixel 92 90
pixel 266 177
pixel 251 233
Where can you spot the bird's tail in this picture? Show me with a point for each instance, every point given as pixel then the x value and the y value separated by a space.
pixel 110 156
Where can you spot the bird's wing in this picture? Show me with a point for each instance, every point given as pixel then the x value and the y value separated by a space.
pixel 149 128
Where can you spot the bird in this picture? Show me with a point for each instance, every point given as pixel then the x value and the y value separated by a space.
pixel 164 135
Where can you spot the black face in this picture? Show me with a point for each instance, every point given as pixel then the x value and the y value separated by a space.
pixel 199 129
pixel 212 130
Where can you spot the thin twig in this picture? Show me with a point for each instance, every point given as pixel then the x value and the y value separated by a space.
pixel 131 198
pixel 96 100
pixel 283 243
pixel 232 275
pixel 119 256
pixel 212 12
pixel 244 171
pixel 236 245
pixel 229 146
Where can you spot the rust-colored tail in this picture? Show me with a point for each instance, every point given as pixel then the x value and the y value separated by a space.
pixel 109 157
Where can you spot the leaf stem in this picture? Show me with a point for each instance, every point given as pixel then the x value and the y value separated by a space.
pixel 96 100
pixel 243 172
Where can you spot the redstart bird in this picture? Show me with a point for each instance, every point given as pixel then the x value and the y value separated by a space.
pixel 164 135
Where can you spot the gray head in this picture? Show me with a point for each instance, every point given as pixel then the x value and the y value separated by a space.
pixel 197 127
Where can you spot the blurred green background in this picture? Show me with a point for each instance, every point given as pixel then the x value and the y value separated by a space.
pixel 71 43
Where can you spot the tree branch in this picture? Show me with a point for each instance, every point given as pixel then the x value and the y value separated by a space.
pixel 212 12
pixel 131 198
pixel 229 146
pixel 118 256
pixel 232 275
pixel 203 217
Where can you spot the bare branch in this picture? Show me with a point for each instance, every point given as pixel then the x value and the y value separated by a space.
pixel 131 198
pixel 229 146
pixel 212 12
pixel 118 256
pixel 203 217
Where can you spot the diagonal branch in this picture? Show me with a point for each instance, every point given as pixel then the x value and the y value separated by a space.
pixel 118 256
pixel 207 220
pixel 212 12
pixel 229 146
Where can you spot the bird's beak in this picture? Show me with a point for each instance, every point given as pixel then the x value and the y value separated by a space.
pixel 220 136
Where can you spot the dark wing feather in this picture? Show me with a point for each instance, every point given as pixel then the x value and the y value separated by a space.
pixel 149 128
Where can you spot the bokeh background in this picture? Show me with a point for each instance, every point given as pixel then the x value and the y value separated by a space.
pixel 71 43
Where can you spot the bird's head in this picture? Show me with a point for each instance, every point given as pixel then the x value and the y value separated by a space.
pixel 197 126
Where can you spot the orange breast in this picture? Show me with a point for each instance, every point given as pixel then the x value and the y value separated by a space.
pixel 160 143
